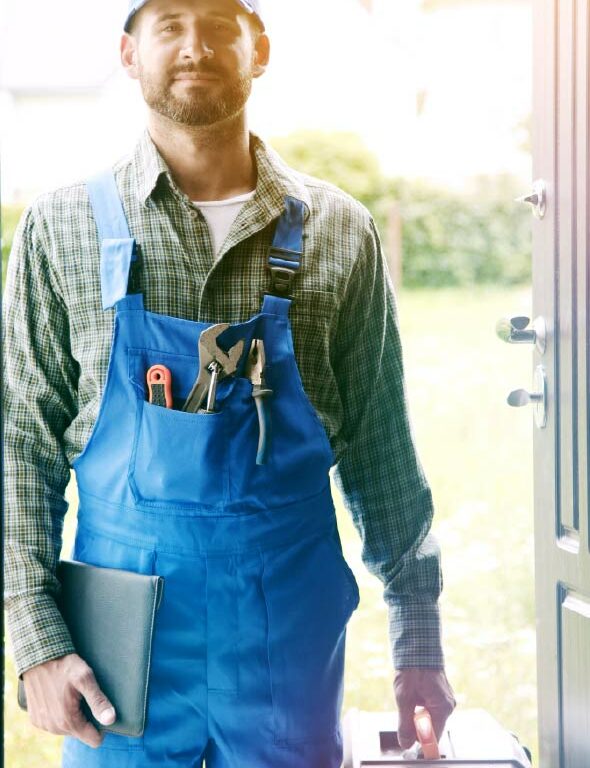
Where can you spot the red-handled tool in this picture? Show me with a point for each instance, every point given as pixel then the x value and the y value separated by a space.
pixel 426 734
pixel 159 381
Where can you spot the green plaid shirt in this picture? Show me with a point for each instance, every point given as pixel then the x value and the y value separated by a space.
pixel 57 343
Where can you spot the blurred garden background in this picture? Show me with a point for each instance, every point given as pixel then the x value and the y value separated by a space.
pixel 420 110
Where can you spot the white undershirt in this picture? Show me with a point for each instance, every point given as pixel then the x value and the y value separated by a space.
pixel 220 215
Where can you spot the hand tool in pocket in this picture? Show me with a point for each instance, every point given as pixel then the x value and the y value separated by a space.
pixel 159 382
pixel 213 361
pixel 260 392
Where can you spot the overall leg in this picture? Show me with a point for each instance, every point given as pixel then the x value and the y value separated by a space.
pixel 292 612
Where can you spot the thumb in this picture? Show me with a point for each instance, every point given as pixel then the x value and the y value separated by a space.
pixel 406 732
pixel 101 708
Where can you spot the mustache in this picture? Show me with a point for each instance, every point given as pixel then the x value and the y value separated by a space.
pixel 202 69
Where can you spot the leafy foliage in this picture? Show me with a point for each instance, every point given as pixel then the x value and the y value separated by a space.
pixel 452 239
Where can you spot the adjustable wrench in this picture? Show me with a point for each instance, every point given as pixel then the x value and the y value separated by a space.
pixel 214 365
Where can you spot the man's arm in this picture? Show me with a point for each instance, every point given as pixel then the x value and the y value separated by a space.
pixel 384 487
pixel 39 403
pixel 40 384
pixel 379 473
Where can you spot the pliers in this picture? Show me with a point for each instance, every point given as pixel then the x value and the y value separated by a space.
pixel 260 392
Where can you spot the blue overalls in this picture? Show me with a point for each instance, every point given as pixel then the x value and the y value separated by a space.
pixel 248 653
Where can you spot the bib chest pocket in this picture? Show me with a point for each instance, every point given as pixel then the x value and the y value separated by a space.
pixel 178 459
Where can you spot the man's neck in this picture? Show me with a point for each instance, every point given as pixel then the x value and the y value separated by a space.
pixel 206 162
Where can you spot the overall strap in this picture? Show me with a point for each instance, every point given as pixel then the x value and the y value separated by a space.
pixel 118 248
pixel 284 258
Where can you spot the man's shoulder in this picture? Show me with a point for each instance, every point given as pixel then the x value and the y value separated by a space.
pixel 58 199
pixel 322 196
pixel 70 201
pixel 324 192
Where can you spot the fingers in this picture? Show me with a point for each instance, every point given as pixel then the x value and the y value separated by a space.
pixel 101 708
pixel 406 733
pixel 65 720
pixel 422 687
pixel 407 696
pixel 440 702
pixel 54 694
pixel 79 727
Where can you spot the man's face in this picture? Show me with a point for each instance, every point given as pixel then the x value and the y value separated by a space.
pixel 195 59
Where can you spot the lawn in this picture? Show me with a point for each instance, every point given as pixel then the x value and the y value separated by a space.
pixel 477 453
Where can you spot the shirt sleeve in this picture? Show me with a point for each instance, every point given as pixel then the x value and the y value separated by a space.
pixel 379 473
pixel 40 382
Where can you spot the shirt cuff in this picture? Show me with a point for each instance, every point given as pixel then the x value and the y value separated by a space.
pixel 38 632
pixel 415 633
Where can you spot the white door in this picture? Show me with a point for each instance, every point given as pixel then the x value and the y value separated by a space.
pixel 561 298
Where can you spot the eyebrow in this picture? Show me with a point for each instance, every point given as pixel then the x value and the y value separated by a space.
pixel 217 14
pixel 166 16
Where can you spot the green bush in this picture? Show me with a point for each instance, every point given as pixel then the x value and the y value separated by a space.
pixel 449 239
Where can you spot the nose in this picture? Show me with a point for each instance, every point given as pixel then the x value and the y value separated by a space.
pixel 195 46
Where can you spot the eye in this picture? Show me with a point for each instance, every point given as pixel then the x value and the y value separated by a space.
pixel 172 27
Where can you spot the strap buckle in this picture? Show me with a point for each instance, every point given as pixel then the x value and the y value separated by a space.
pixel 281 281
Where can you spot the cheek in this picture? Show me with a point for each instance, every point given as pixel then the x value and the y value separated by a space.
pixel 157 59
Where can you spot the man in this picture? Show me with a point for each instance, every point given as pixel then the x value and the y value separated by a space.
pixel 247 662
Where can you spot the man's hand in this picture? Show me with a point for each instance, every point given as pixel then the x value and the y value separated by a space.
pixel 426 688
pixel 54 691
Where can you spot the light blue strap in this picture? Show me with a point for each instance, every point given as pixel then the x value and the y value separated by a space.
pixel 118 248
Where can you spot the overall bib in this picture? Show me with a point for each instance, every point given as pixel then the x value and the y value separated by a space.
pixel 248 651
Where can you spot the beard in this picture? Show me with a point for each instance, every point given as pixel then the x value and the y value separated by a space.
pixel 198 107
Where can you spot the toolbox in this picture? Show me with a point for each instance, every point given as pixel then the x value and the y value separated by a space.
pixel 471 738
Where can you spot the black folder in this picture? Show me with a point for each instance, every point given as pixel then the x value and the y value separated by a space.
pixel 111 615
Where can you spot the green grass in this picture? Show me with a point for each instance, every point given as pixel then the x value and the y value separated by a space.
pixel 477 453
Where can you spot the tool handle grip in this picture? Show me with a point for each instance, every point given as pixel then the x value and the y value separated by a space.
pixel 159 382
pixel 426 734
pixel 260 395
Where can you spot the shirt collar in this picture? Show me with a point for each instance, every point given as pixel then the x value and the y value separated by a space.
pixel 275 179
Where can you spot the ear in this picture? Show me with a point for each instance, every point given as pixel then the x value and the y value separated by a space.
pixel 129 55
pixel 261 55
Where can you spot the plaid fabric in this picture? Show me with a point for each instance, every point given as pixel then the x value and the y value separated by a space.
pixel 57 344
